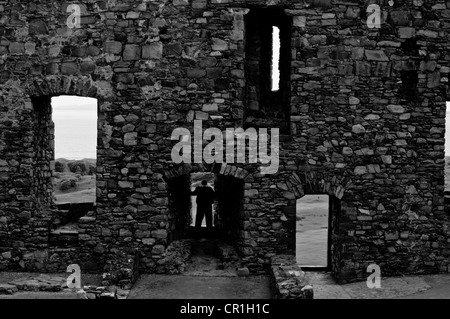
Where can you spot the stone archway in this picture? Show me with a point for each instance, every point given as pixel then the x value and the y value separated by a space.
pixel 62 85
pixel 218 168
pixel 229 198
pixel 311 181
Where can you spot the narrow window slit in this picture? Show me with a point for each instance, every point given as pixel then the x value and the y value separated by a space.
pixel 275 72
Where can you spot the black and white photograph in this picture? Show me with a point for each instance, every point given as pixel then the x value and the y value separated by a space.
pixel 223 158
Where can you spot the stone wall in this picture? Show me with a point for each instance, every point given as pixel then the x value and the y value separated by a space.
pixel 357 131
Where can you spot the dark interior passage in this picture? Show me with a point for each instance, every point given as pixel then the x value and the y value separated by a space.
pixel 179 207
pixel 227 208
pixel 230 195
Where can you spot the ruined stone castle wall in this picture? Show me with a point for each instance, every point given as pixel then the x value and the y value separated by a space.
pixel 364 111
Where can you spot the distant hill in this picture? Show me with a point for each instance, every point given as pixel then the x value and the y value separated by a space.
pixel 74 181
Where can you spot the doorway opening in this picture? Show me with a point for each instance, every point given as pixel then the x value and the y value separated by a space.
pixel 196 180
pixel 313 231
pixel 227 208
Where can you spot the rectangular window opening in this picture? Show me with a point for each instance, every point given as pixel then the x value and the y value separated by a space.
pixel 75 149
pixel 275 70
pixel 409 80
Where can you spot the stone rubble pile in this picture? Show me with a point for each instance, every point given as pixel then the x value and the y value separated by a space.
pixel 288 279
pixel 175 257
pixel 94 292
pixel 122 269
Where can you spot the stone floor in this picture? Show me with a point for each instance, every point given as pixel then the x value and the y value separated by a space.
pixel 197 287
pixel 410 287
pixel 200 287
pixel 17 285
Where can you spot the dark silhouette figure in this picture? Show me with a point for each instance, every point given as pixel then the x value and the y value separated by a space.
pixel 205 199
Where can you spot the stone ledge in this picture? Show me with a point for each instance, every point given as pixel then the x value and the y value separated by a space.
pixel 7 289
pixel 288 279
pixel 110 292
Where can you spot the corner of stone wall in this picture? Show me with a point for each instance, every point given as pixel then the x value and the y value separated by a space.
pixel 175 257
pixel 121 269
pixel 288 280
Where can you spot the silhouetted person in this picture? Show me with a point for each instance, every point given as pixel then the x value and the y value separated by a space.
pixel 205 199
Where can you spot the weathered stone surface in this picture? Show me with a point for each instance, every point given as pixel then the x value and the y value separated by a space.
pixel 69 68
pixel 353 100
pixel 219 44
pixel 40 283
pixel 130 139
pixel 213 107
pixel 396 108
pixel 299 21
pixel 360 113
pixel 243 272
pixel 289 280
pixel 113 47
pixel 360 170
pixel 196 73
pixel 358 129
pixel 152 51
pixel 400 17
pixel 16 48
pixel 406 32
pixel 376 55
pixel 7 289
pixel 131 52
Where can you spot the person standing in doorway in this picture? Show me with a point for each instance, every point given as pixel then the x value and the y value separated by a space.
pixel 205 199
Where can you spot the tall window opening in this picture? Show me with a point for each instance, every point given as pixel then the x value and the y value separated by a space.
pixel 409 79
pixel 75 149
pixel 267 68
pixel 312 231
pixel 275 58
